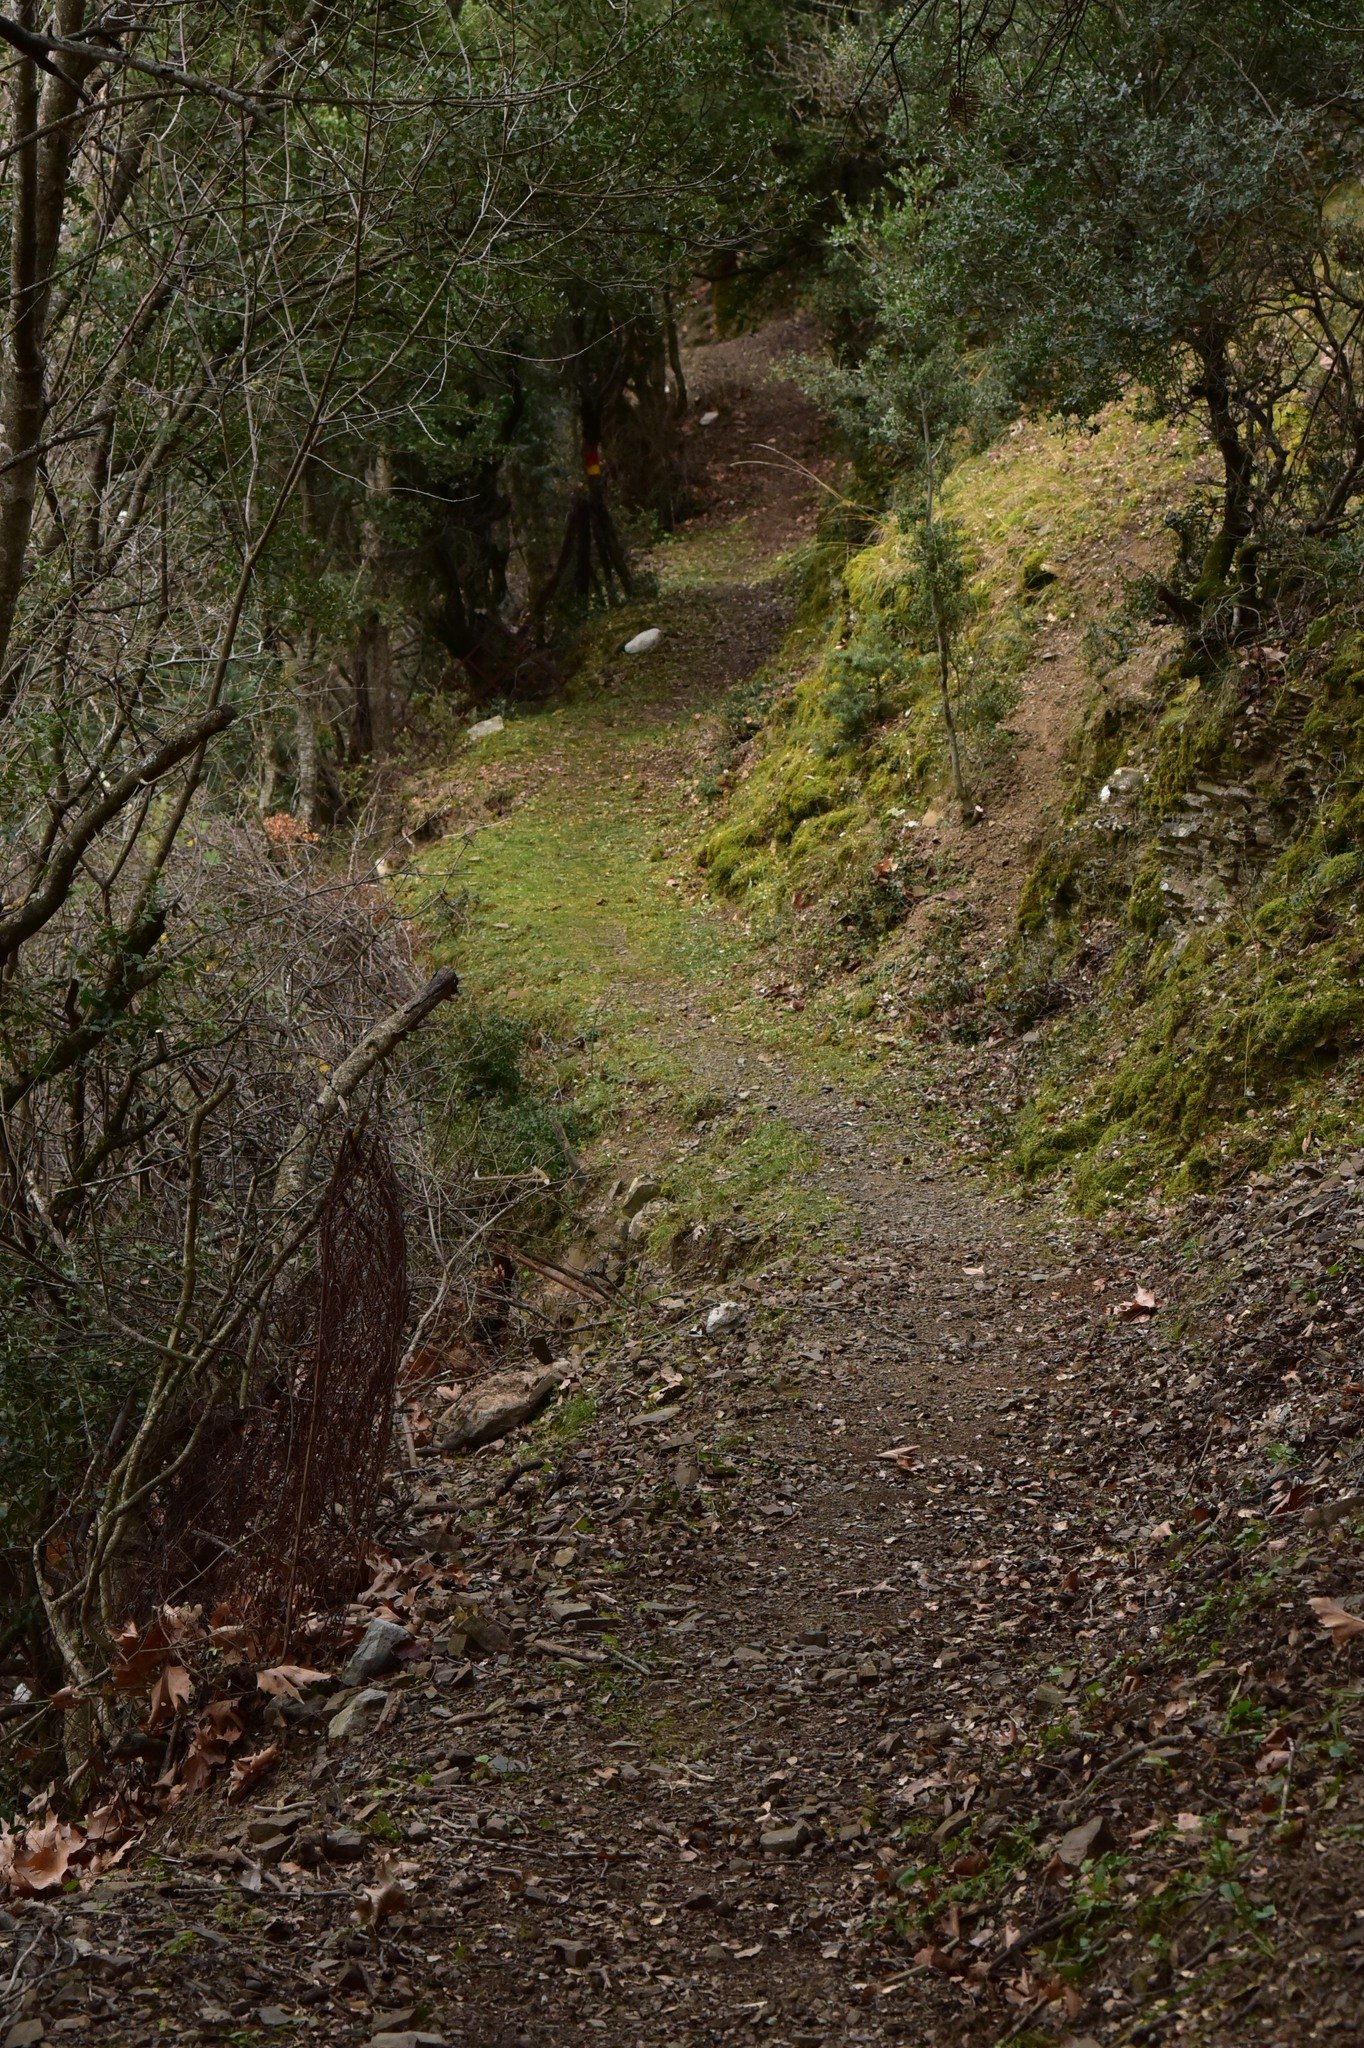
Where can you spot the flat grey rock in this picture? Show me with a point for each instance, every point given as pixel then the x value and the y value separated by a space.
pixel 642 1189
pixel 375 1651
pixel 726 1315
pixel 644 1220
pixel 358 1715
pixel 654 1418
pixel 785 1841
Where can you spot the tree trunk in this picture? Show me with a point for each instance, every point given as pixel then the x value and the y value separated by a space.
pixel 371 722
pixel 306 738
pixel 948 718
pixel 45 129
pixel 941 629
pixel 675 360
pixel 1228 565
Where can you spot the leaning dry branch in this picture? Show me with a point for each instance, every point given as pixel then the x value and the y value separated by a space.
pixel 43 903
pixel 376 1045
pixel 562 1276
pixel 41 49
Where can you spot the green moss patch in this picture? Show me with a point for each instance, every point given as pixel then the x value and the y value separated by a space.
pixel 565 894
pixel 1227 1042
pixel 809 805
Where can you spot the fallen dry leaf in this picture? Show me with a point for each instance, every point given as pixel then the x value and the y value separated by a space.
pixel 105 1823
pixel 247 1769
pixel 1342 1625
pixel 107 1859
pixel 218 1727
pixel 381 1900
pixel 138 1655
pixel 170 1695
pixel 284 1680
pixel 198 1768
pixel 1143 1303
pixel 934 1958
pixel 46 1855
pixel 221 1722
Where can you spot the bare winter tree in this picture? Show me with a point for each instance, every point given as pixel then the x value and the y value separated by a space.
pixel 241 250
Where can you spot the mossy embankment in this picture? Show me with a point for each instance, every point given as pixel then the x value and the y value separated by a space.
pixel 1212 853
pixel 1136 967
pixel 831 788
pixel 1140 966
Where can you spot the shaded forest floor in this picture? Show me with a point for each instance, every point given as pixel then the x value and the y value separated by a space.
pixel 898 1628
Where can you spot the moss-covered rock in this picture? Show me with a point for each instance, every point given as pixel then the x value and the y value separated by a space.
pixel 1228 1035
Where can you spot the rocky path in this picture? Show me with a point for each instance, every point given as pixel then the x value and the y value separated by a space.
pixel 905 1640
pixel 720 1724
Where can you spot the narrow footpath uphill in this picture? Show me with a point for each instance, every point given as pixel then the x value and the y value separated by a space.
pixel 897 1627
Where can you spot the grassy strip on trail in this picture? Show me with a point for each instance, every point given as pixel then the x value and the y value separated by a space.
pixel 570 904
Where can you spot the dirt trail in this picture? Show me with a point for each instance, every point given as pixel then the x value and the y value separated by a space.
pixel 726 1726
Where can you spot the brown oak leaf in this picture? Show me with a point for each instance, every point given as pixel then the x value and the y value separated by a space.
pixel 45 1856
pixel 170 1695
pixel 247 1769
pixel 1342 1626
pixel 383 1899
pixel 138 1655
pixel 284 1680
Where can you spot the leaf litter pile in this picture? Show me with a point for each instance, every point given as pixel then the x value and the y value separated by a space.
pixel 956 1643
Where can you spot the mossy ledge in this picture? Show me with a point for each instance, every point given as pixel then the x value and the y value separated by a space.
pixel 1225 1032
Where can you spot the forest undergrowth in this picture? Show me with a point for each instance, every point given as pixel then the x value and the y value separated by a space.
pixel 680 973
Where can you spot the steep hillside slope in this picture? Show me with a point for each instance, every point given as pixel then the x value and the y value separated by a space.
pixel 1142 934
